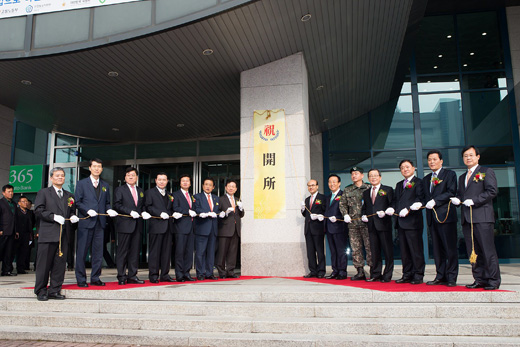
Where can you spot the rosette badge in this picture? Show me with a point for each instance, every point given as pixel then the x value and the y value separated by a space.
pixel 479 176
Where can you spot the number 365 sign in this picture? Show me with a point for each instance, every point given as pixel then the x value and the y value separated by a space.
pixel 26 178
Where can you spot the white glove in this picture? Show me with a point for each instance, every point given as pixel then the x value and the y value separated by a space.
pixel 303 206
pixel 74 219
pixel 177 215
pixel 192 213
pixel 381 214
pixel 229 210
pixel 112 213
pixel 364 218
pixel 92 213
pixel 314 216
pixel 415 206
pixel 333 219
pixel 146 215
pixel 59 219
pixel 203 215
pixel 389 211
pixel 468 202
pixel 347 219
pixel 212 215
pixel 430 204
pixel 164 215
pixel 222 214
pixel 403 213
pixel 320 217
pixel 240 205
pixel 134 214
pixel 455 201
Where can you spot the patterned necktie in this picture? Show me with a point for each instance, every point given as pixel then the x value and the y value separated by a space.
pixel 404 183
pixel 373 195
pixel 431 183
pixel 331 199
pixel 188 198
pixel 60 193
pixel 209 203
pixel 311 201
pixel 134 194
pixel 95 184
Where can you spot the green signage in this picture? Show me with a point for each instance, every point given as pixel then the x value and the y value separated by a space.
pixel 26 178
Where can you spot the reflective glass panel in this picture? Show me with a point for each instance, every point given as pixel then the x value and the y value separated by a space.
pixel 13 34
pixel 65 155
pixel 502 155
pixel 391 160
pixel 407 86
pixel 451 158
pixel 167 150
pixel 219 147
pixel 351 136
pixel 392 124
pixel 345 161
pixel 173 9
pixel 70 179
pixel 485 80
pixel 438 83
pixel 60 28
pixel 110 20
pixel 486 117
pixel 64 140
pixel 441 120
pixel 108 152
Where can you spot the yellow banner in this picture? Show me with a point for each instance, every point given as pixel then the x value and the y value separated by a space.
pixel 269 133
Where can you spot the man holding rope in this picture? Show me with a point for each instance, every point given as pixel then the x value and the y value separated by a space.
pixel 477 189
pixel 54 207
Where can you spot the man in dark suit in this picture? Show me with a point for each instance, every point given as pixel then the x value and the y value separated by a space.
pixel 158 203
pixel 229 229
pixel 7 229
pixel 206 230
pixel 408 199
pixel 377 201
pixel 184 212
pixel 477 189
pixel 337 233
pixel 129 200
pixel 439 186
pixel 313 209
pixel 24 228
pixel 92 198
pixel 53 206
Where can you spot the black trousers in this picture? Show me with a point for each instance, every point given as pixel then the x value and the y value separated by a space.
pixel 444 240
pixel 127 256
pixel 486 271
pixel 227 254
pixel 50 263
pixel 21 249
pixel 315 253
pixel 412 253
pixel 338 245
pixel 159 255
pixel 184 245
pixel 381 241
pixel 6 251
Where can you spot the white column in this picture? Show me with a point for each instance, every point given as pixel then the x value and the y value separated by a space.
pixel 6 139
pixel 276 247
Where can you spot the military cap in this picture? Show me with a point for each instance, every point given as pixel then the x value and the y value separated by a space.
pixel 356 168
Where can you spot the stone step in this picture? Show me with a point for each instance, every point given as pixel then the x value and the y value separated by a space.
pixel 270 325
pixel 217 339
pixel 259 309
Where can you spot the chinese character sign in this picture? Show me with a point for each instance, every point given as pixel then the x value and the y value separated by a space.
pixel 269 163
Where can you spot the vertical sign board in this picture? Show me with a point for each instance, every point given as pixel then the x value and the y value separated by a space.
pixel 26 178
pixel 269 164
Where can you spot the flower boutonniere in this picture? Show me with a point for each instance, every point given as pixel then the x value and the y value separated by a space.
pixel 70 201
pixel 141 195
pixel 410 185
pixel 216 203
pixel 479 176
pixel 436 181
pixel 337 198
pixel 193 198
pixel 381 192
pixel 104 189
pixel 170 197
pixel 317 202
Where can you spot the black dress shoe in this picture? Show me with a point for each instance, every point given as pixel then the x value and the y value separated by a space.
pixel 134 281
pixel 8 274
pixel 490 288
pixel 211 278
pixel 451 284
pixel 359 276
pixel 83 284
pixel 56 296
pixel 309 276
pixel 435 283
pixel 121 283
pixel 341 277
pixel 98 283
pixel 21 272
pixel 169 279
pixel 223 277
pixel 384 280
pixel 320 276
pixel 154 281
pixel 42 297
pixel 373 279
pixel 475 285
pixel 200 278
pixel 416 281
pixel 403 280
pixel 189 279
pixel 233 276
pixel 331 276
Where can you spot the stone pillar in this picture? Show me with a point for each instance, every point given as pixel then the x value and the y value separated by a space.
pixel 6 140
pixel 276 247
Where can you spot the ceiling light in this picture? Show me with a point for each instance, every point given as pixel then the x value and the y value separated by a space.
pixel 319 87
pixel 484 34
pixel 429 81
pixel 465 65
pixel 456 80
pixel 113 74
pixel 472 53
pixel 180 125
pixel 440 55
pixel 306 17
pixel 115 129
pixel 448 37
pixel 435 67
pixel 207 51
pixel 26 82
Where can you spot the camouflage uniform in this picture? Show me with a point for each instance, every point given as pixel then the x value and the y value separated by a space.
pixel 350 203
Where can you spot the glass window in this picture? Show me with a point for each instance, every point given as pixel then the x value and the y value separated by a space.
pixel 502 155
pixel 219 147
pixel 438 83
pixel 391 160
pixel 392 124
pixel 345 161
pixel 13 34
pixel 485 80
pixel 65 155
pixel 121 152
pixel 407 86
pixel 70 179
pixel 436 49
pixel 441 120
pixel 173 9
pixel 479 41
pixel 451 157
pixel 110 20
pixel 167 150
pixel 64 140
pixel 486 117
pixel 60 28
pixel 351 136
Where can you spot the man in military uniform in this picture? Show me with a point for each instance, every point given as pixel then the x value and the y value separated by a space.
pixel 350 206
